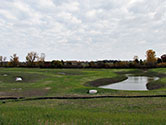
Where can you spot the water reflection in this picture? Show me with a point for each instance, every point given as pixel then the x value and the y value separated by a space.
pixel 132 83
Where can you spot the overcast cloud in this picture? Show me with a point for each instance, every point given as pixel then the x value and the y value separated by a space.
pixel 82 29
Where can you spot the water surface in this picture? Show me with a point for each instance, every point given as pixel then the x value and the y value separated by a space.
pixel 132 83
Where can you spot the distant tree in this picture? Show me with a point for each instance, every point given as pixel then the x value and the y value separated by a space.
pixel 100 64
pixel 122 64
pixel 141 62
pixel 2 60
pixel 41 60
pixel 14 60
pixel 163 58
pixel 161 65
pixel 92 64
pixel 42 57
pixel 150 57
pixel 31 58
pixel 56 64
pixel 159 60
pixel 136 59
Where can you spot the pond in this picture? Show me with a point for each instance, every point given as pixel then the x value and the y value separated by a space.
pixel 132 83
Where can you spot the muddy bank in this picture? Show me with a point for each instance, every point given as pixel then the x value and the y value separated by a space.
pixel 26 93
pixel 106 81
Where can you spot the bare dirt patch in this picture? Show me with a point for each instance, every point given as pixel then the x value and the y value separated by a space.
pixel 106 81
pixel 25 93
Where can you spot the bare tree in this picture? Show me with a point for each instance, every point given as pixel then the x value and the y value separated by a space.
pixel 2 60
pixel 31 58
pixel 41 60
pixel 14 60
pixel 42 57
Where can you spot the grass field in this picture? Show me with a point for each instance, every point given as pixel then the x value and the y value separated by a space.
pixel 74 82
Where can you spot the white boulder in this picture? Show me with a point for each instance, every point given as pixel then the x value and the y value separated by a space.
pixel 18 79
pixel 92 91
pixel 5 75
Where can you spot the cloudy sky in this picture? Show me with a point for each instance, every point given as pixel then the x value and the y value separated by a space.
pixel 82 29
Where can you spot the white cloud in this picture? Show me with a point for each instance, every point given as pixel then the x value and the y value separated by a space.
pixel 91 13
pixel 7 14
pixel 69 17
pixel 46 3
pixel 84 30
pixel 71 6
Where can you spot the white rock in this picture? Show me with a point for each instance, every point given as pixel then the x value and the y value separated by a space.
pixel 92 91
pixel 18 79
pixel 4 74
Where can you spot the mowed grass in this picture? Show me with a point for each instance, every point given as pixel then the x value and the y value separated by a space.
pixel 71 82
pixel 85 112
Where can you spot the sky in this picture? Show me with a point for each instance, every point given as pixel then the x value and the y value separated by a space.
pixel 83 29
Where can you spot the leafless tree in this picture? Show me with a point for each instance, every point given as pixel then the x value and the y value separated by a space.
pixel 31 58
pixel 14 60
pixel 42 57
pixel 2 60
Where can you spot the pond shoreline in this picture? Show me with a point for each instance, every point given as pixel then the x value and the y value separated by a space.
pixel 153 85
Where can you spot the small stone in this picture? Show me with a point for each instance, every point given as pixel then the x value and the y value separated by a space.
pixel 92 91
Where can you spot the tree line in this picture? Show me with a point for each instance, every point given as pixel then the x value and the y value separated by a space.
pixel 34 60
